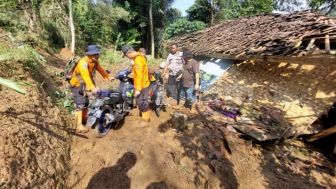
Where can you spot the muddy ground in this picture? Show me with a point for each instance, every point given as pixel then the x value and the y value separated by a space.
pixel 40 150
pixel 161 156
pixel 34 132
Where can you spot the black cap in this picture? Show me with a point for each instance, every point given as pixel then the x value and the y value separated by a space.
pixel 187 54
pixel 125 49
pixel 92 50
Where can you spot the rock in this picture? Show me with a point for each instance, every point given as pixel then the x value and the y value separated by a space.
pixel 176 157
pixel 179 121
pixel 228 98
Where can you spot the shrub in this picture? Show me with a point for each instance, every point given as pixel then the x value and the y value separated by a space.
pixel 182 26
pixel 110 56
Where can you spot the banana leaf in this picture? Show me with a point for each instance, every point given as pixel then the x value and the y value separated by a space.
pixel 12 85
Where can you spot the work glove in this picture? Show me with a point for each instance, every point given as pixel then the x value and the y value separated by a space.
pixel 95 90
pixel 136 93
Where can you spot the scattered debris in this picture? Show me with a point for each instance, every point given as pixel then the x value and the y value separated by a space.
pixel 322 134
pixel 219 106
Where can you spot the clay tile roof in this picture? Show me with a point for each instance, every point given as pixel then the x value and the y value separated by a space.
pixel 295 34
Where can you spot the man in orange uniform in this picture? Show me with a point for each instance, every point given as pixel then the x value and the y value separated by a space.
pixel 141 81
pixel 82 81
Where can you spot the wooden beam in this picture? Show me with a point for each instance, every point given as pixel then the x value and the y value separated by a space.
pixel 327 44
pixel 311 43
pixel 322 134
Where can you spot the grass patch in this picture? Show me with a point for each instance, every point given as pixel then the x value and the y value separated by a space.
pixel 64 100
pixel 22 53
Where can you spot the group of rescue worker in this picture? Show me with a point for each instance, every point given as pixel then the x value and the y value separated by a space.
pixel 180 70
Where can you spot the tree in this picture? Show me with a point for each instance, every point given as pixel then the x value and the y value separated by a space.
pixel 183 26
pixel 98 22
pixel 173 14
pixel 72 27
pixel 326 6
pixel 255 7
pixel 204 10
pixel 290 5
pixel 141 20
pixel 210 11
pixel 151 27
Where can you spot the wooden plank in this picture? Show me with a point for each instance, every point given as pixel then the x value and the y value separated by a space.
pixel 327 44
pixel 322 134
pixel 310 44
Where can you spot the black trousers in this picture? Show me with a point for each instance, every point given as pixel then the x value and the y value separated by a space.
pixel 79 97
pixel 174 88
pixel 143 100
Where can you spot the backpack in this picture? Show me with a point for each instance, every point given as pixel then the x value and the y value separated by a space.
pixel 70 67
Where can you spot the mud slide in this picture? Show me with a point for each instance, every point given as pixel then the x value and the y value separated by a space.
pixel 34 132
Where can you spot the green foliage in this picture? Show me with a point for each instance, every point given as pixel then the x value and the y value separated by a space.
pixel 139 10
pixel 227 9
pixel 98 23
pixel 182 26
pixel 202 9
pixel 110 56
pixel 12 85
pixel 64 100
pixel 173 14
pixel 255 7
pixel 130 37
pixel 326 6
pixel 23 53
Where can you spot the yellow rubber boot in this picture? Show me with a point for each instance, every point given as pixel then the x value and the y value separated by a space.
pixel 145 119
pixel 146 116
pixel 79 125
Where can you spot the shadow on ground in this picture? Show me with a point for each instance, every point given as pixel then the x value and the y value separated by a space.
pixel 115 176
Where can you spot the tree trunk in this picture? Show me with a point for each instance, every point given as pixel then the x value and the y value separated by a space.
pixel 72 27
pixel 151 28
pixel 212 12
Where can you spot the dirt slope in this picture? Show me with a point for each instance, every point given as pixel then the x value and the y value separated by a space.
pixel 34 133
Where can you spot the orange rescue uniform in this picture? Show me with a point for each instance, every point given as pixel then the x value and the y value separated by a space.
pixel 84 71
pixel 140 73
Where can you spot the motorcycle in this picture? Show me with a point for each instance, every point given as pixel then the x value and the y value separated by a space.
pixel 157 100
pixel 109 107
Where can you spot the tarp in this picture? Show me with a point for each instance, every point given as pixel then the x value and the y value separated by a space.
pixel 211 70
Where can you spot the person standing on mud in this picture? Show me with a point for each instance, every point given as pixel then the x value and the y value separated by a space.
pixel 141 81
pixel 190 78
pixel 173 71
pixel 82 81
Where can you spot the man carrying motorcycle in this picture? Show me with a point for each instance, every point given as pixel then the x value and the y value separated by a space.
pixel 141 81
pixel 82 80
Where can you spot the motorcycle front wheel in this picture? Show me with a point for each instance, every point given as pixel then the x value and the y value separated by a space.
pixel 157 111
pixel 103 127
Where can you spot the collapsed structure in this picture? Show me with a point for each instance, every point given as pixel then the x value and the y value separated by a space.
pixel 277 35
pixel 288 74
